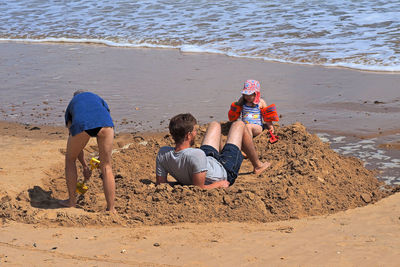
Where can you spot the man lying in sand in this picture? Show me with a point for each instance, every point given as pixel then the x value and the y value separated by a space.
pixel 206 166
pixel 88 115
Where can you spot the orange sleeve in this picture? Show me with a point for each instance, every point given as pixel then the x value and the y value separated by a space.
pixel 234 112
pixel 269 113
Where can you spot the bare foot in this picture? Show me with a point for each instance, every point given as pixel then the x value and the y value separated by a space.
pixel 66 203
pixel 112 211
pixel 262 168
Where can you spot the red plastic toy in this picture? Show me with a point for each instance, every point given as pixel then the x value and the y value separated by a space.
pixel 273 138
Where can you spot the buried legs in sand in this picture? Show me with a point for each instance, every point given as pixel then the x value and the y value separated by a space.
pixel 240 136
pixel 75 146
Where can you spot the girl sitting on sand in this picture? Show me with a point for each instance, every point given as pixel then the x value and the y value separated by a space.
pixel 253 109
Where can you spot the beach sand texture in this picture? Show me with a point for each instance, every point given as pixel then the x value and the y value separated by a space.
pixel 146 87
pixel 260 221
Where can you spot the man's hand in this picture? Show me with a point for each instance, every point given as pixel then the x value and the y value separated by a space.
pixel 199 179
pixel 224 184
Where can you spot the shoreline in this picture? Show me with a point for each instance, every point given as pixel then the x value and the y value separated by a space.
pixel 105 43
pixel 44 77
pixel 146 87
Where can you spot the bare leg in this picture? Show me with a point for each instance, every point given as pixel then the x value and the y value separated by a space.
pixel 105 140
pixel 254 129
pixel 75 145
pixel 235 134
pixel 250 150
pixel 213 135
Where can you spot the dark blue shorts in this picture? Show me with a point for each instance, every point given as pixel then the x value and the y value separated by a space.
pixel 230 157
pixel 93 132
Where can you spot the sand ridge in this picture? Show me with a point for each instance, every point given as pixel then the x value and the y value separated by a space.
pixel 306 178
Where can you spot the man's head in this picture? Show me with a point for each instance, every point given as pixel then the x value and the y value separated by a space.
pixel 182 126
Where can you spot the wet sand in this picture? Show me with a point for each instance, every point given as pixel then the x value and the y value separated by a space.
pixel 146 87
pixel 137 83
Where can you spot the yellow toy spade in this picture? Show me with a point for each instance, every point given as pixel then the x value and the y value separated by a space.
pixel 81 188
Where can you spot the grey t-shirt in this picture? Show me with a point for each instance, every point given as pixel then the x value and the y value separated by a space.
pixel 183 164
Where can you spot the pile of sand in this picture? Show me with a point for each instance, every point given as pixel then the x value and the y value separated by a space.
pixel 306 178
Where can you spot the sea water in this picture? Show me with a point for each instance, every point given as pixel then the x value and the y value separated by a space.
pixel 385 162
pixel 354 34
pixel 359 34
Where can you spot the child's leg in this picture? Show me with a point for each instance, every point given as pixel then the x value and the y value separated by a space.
pixel 254 129
pixel 250 150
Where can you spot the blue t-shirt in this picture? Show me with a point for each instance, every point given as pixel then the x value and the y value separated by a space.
pixel 87 111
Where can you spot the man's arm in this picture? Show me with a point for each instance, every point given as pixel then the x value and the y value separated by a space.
pixel 199 179
pixel 160 180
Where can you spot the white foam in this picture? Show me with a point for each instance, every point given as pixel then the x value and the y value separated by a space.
pixel 368 147
pixel 339 139
pixel 388 165
pixel 197 49
pixel 367 141
pixel 390 179
pixel 359 35
pixel 324 137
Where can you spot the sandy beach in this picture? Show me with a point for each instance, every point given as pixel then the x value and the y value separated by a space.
pixel 49 236
pixel 313 208
pixel 146 87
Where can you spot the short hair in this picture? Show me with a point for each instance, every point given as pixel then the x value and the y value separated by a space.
pixel 77 92
pixel 180 125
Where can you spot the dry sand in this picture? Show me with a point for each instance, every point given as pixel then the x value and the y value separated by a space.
pixel 312 208
pixel 240 226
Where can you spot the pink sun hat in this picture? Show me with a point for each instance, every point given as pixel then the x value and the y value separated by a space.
pixel 250 87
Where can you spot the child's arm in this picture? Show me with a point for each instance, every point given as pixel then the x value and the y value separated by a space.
pixel 240 102
pixel 269 124
pixel 262 104
pixel 269 114
pixel 236 108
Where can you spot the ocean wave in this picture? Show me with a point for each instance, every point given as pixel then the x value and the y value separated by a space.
pixel 200 49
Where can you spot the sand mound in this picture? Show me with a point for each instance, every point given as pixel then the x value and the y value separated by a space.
pixel 306 178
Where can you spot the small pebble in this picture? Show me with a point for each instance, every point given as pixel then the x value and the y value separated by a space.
pixel 156 244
